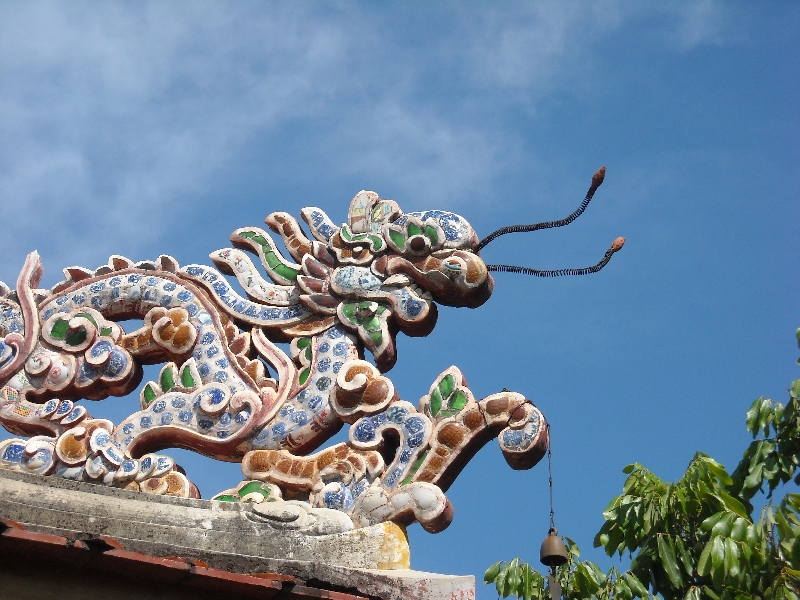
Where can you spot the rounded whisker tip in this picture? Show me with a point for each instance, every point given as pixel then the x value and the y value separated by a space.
pixel 598 177
pixel 618 244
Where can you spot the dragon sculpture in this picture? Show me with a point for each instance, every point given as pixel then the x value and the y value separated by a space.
pixel 227 391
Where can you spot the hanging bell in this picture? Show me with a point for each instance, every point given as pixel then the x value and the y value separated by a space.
pixel 553 552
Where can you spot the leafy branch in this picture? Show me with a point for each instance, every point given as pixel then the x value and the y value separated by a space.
pixel 696 538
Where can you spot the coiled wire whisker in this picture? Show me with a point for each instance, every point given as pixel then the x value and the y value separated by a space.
pixel 615 246
pixel 597 180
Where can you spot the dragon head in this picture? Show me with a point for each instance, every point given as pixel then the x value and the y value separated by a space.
pixel 380 272
pixel 386 271
pixel 431 250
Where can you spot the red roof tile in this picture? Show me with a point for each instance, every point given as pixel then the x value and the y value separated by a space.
pixel 102 553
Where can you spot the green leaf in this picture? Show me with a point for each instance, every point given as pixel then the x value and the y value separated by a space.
pixel 757 415
pixel 731 559
pixel 59 329
pixel 167 379
pixel 413 229
pixel 398 238
pixel 693 594
pixel 526 585
pixel 76 337
pixel 446 386
pixel 679 493
pixel 149 393
pixel 717 561
pixel 752 419
pixel 719 472
pixel 710 593
pixel 491 572
pixel 500 581
pixel 753 480
pixel 739 529
pixel 615 539
pixel 635 585
pixel 794 552
pixel 752 536
pixel 513 578
pixel 732 504
pixel 435 402
pixel 723 526
pixel 794 389
pixel 685 558
pixel 668 561
pixel 704 564
pixel 589 583
pixel 187 380
pixel 622 590
pixel 709 523
pixel 766 415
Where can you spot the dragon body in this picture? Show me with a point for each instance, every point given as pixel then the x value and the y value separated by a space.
pixel 226 390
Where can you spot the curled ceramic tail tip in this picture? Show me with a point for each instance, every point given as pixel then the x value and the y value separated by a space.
pixel 598 177
pixel 618 244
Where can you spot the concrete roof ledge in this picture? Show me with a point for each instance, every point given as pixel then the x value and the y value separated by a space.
pixel 227 538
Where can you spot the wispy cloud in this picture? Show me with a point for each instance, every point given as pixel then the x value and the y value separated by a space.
pixel 699 23
pixel 534 46
pixel 110 111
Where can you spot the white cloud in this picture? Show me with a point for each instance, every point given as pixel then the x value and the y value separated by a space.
pixel 115 109
pixel 527 47
pixel 699 23
pixel 427 161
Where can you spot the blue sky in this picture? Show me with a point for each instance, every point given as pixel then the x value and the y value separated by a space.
pixel 158 128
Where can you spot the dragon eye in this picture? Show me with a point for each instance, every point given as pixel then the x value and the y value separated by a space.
pixel 452 265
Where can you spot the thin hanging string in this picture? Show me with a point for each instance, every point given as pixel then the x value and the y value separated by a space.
pixel 549 459
pixel 597 179
pixel 550 471
pixel 615 247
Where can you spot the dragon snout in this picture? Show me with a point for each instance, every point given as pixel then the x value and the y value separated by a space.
pixel 453 277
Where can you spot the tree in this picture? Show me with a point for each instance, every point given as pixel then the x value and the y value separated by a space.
pixel 696 538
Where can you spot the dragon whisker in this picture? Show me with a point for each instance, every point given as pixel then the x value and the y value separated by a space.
pixel 615 246
pixel 597 180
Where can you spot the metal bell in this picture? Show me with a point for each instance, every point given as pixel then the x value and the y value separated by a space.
pixel 553 552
